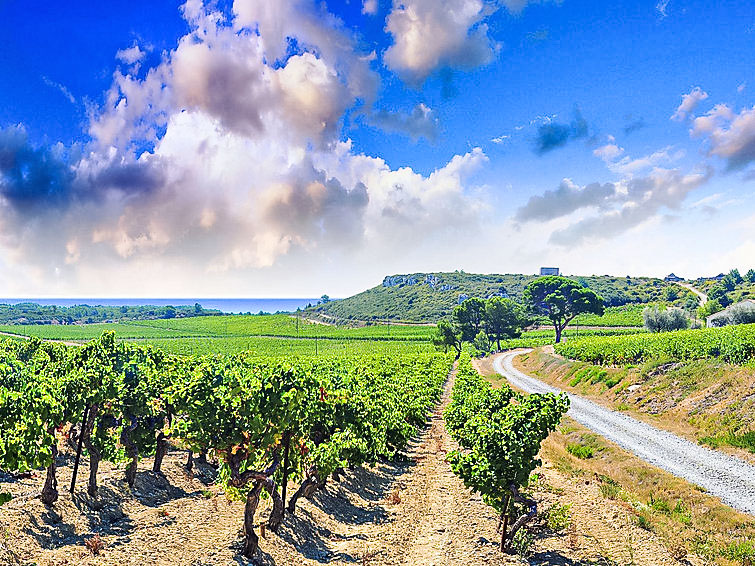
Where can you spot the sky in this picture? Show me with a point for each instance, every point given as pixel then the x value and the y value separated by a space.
pixel 246 148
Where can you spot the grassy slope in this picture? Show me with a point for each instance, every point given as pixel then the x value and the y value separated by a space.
pixel 700 399
pixel 428 297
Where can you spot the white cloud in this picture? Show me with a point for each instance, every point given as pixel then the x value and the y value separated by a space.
pixel 689 103
pixel 369 7
pixel 431 34
pixel 60 87
pixel 245 169
pixel 608 152
pixel 629 167
pixel 636 201
pixel 730 135
pixel 741 88
pixel 661 7
pixel 131 55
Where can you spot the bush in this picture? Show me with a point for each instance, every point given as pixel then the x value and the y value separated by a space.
pixel 580 450
pixel 666 320
pixel 559 517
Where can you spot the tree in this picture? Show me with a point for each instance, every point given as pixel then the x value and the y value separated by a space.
pixel 750 275
pixel 665 320
pixel 561 299
pixel 504 318
pixel 448 335
pixel 470 316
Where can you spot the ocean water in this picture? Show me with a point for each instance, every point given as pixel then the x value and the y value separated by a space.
pixel 232 306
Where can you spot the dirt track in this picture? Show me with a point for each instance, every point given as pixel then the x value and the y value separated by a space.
pixel 724 476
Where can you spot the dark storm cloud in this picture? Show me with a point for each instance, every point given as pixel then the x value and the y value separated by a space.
pixel 30 177
pixel 633 124
pixel 553 135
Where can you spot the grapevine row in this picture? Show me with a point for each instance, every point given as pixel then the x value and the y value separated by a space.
pixel 733 344
pixel 268 421
pixel 499 433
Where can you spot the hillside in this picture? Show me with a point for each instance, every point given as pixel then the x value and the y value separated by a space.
pixel 428 297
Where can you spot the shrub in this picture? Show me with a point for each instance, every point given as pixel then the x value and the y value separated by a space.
pixel 580 450
pixel 559 517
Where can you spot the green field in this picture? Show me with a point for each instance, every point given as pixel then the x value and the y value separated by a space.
pixel 277 334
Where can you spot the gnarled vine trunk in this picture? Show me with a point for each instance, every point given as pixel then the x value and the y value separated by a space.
pixel 278 510
pixel 161 449
pixel 50 490
pixel 307 488
pixel 132 451
pixel 94 454
pixel 251 540
pixel 523 519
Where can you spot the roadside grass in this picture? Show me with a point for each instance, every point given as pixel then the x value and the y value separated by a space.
pixel 685 518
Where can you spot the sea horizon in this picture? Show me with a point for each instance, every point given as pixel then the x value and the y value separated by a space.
pixel 226 305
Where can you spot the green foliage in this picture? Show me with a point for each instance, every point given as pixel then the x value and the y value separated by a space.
pixel 499 433
pixel 625 315
pixel 522 543
pixel 609 488
pixel 581 451
pixel 469 316
pixel 558 517
pixel 504 318
pixel 666 320
pixel 332 412
pixel 733 344
pixel 742 551
pixel 448 335
pixel 744 440
pixel 561 299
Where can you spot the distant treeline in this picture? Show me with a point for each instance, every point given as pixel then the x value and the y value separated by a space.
pixel 33 313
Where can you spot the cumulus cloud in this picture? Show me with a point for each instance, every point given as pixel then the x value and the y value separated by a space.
pixel 421 122
pixel 552 135
pixel 227 157
pixel 603 211
pixel 637 201
pixel 689 104
pixel 730 135
pixel 630 167
pixel 131 55
pixel 370 7
pixel 565 200
pixel 432 34
pixel 608 152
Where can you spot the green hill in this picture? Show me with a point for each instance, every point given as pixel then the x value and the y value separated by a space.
pixel 428 297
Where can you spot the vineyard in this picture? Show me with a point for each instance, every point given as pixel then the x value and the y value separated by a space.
pixel 732 344
pixel 267 421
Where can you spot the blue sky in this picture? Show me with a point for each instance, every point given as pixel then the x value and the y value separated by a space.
pixel 253 149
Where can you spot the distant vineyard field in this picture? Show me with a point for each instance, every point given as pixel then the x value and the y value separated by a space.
pixel 733 344
pixel 625 315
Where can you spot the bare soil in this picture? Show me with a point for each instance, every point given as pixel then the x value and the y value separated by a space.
pixel 413 511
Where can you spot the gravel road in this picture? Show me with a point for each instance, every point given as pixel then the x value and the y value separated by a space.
pixel 726 477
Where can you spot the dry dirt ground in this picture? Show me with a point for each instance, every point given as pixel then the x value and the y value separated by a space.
pixel 412 512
